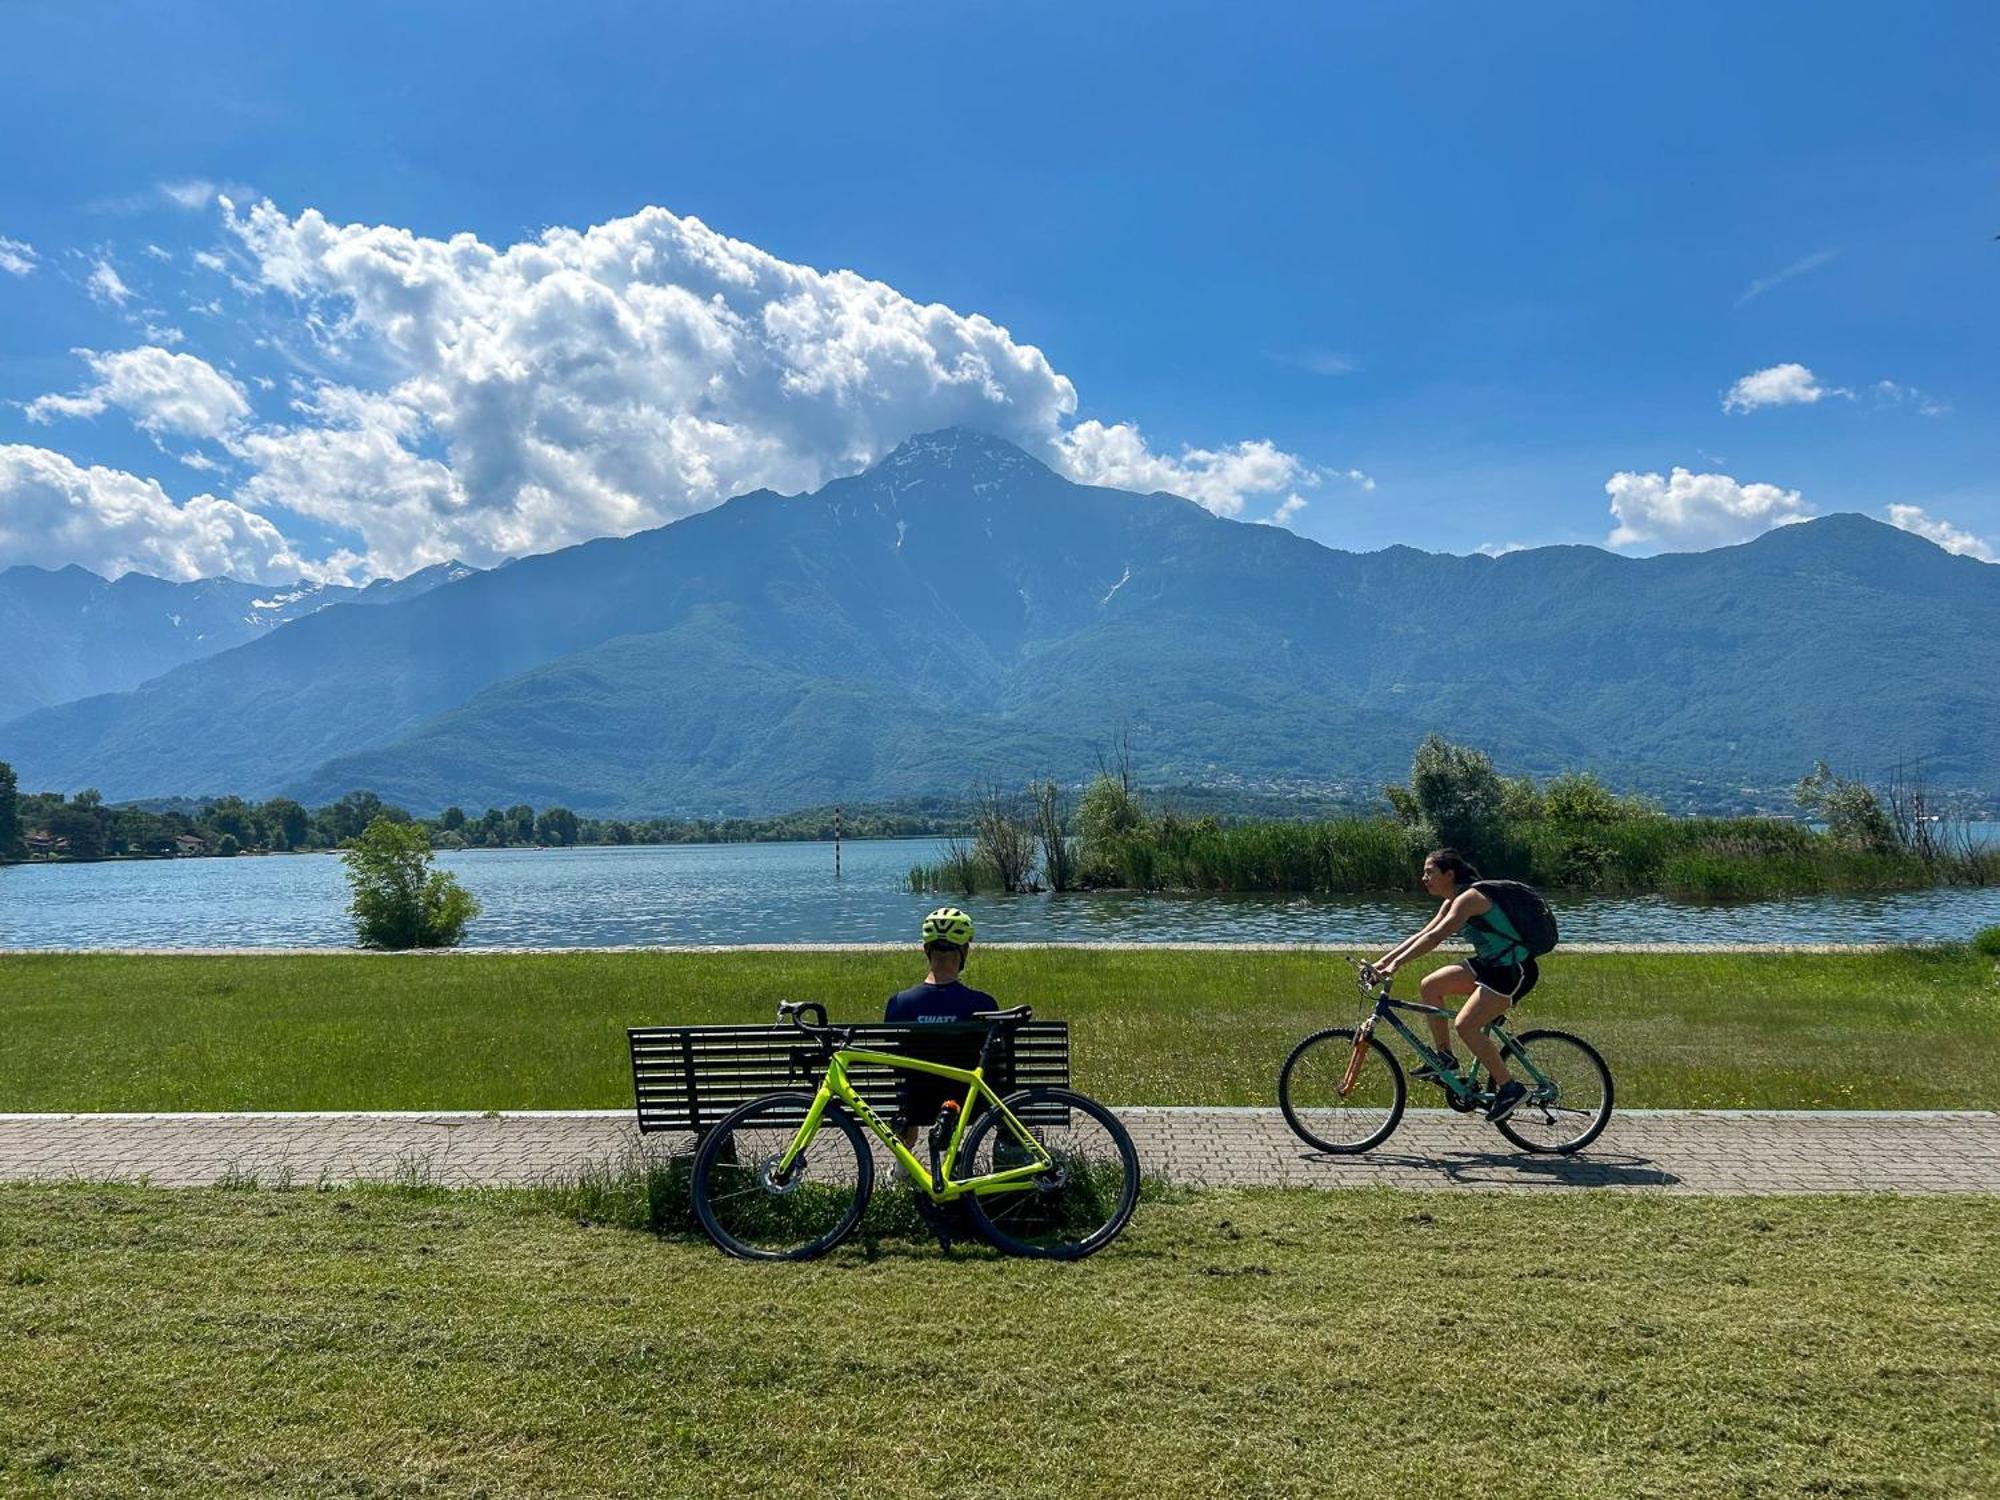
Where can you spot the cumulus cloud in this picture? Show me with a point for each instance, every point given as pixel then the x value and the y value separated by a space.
pixel 17 257
pixel 106 286
pixel 54 512
pixel 1687 511
pixel 1937 529
pixel 1779 385
pixel 1501 549
pixel 1219 478
pixel 1290 507
pixel 161 391
pixel 594 382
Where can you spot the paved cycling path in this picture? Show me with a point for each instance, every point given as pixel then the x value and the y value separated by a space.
pixel 1672 1151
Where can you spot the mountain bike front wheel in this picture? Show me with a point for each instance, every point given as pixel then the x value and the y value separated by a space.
pixel 752 1209
pixel 1569 1093
pixel 1080 1204
pixel 1341 1092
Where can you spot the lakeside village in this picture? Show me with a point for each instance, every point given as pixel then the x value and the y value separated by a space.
pixel 1569 832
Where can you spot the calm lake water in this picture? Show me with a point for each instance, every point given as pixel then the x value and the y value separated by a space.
pixel 786 893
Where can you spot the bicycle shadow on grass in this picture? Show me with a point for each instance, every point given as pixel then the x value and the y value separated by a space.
pixel 1494 1168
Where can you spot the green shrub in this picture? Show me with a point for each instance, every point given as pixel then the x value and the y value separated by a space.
pixel 399 900
pixel 1987 941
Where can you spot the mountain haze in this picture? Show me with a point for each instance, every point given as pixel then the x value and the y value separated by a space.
pixel 960 612
pixel 67 633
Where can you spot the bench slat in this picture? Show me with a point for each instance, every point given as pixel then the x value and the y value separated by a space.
pixel 689 1077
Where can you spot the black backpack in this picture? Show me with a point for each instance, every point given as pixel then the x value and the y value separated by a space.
pixel 1524 907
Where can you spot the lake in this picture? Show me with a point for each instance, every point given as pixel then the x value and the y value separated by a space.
pixel 786 893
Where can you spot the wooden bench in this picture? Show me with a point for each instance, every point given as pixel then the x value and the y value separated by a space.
pixel 689 1077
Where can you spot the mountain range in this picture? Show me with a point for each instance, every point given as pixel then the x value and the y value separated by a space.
pixel 70 634
pixel 961 614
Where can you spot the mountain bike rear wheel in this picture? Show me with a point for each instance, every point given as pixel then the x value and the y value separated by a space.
pixel 1080 1204
pixel 753 1211
pixel 1570 1109
pixel 1341 1093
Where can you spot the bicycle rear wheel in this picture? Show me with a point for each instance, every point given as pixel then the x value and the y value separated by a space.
pixel 1569 1107
pixel 752 1211
pixel 1339 1094
pixel 1075 1208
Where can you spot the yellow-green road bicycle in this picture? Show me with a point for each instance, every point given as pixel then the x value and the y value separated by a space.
pixel 1044 1172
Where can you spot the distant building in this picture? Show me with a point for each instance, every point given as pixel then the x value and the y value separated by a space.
pixel 45 845
pixel 187 843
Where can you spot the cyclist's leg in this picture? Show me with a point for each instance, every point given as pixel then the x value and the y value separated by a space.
pixel 1439 986
pixel 1487 1005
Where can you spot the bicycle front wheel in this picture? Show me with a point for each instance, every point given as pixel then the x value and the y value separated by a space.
pixel 1076 1207
pixel 753 1210
pixel 1569 1093
pixel 1341 1093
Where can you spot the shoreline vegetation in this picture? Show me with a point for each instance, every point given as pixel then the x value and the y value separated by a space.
pixel 1570 833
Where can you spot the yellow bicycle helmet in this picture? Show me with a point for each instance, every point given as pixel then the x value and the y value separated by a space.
pixel 947 925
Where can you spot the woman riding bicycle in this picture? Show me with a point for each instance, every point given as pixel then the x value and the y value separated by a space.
pixel 1500 973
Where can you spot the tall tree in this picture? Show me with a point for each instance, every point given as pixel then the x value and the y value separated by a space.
pixel 10 813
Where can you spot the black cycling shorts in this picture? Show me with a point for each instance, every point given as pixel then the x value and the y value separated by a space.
pixel 1512 980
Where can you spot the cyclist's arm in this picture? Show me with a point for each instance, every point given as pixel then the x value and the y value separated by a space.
pixel 1450 918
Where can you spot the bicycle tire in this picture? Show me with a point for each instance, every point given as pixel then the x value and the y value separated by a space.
pixel 1309 1094
pixel 789 1219
pixel 1583 1065
pixel 1083 1209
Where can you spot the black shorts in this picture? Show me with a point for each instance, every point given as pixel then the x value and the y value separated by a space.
pixel 1512 980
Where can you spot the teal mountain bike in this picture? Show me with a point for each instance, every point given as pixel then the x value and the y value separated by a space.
pixel 1343 1091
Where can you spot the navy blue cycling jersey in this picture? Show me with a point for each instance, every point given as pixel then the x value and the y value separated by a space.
pixel 956 1001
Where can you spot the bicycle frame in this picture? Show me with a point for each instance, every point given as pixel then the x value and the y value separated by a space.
pixel 1386 1006
pixel 944 1188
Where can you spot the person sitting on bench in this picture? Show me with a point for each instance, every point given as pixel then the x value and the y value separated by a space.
pixel 943 998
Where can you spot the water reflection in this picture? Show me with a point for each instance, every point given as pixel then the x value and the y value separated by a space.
pixel 785 893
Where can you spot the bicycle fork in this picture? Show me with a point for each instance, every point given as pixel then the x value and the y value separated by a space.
pixel 1362 1034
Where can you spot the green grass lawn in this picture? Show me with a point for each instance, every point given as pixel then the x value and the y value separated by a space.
pixel 377 1343
pixel 1907 1029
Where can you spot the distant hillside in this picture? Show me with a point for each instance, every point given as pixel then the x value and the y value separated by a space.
pixel 961 612
pixel 69 634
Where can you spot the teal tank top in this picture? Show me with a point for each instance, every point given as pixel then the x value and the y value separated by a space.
pixel 1494 938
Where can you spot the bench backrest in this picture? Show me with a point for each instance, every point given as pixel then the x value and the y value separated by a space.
pixel 689 1077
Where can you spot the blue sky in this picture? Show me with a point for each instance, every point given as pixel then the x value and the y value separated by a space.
pixel 1438 272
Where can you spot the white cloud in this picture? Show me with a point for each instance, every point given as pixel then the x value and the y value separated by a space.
pixel 1319 362
pixel 208 260
pixel 105 285
pixel 1289 507
pixel 1889 393
pixel 1688 511
pixel 17 257
pixel 191 194
pixel 54 512
pixel 1941 531
pixel 1779 385
pixel 1799 267
pixel 1501 549
pixel 161 391
pixel 159 252
pixel 1220 479
pixel 599 381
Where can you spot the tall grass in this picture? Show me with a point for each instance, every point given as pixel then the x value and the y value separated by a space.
pixel 1695 859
